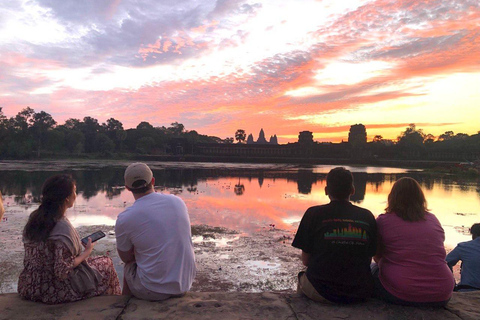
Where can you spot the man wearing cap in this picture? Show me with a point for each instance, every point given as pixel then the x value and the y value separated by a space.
pixel 154 240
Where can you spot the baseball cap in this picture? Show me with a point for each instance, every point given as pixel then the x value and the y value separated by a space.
pixel 135 172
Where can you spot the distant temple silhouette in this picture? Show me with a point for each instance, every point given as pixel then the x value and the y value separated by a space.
pixel 261 139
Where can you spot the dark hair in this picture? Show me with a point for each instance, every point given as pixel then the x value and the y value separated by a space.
pixel 339 183
pixel 406 200
pixel 55 191
pixel 140 183
pixel 475 229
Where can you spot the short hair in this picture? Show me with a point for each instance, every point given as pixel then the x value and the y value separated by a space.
pixel 339 183
pixel 475 229
pixel 406 200
pixel 143 189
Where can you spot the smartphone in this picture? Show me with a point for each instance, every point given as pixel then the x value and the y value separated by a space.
pixel 95 236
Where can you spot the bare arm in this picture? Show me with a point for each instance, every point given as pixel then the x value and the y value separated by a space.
pixel 127 256
pixel 305 258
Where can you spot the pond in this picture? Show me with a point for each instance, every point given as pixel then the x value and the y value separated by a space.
pixel 243 197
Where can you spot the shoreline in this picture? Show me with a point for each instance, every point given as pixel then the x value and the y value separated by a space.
pixel 226 260
pixel 395 163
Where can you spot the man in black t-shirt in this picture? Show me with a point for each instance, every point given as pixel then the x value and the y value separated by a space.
pixel 338 241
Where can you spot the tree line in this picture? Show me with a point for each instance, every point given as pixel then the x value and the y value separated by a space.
pixel 413 143
pixel 31 134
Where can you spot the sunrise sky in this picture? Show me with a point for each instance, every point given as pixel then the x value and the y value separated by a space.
pixel 217 66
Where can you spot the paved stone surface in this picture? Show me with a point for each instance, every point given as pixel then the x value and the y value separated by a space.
pixel 13 307
pixel 233 305
pixel 215 305
pixel 466 305
pixel 376 310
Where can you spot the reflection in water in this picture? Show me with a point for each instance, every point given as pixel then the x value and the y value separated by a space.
pixel 268 194
pixel 239 188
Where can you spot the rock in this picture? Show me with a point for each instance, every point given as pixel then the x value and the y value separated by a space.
pixel 13 307
pixel 374 309
pixel 465 305
pixel 212 305
pixel 234 305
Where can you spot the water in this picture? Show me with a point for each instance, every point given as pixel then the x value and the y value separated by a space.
pixel 244 197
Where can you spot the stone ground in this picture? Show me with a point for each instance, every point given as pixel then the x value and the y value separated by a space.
pixel 233 305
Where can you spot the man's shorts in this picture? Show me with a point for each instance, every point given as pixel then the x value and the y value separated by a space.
pixel 137 288
pixel 305 287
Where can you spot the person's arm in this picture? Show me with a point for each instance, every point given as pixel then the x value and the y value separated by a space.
pixel 2 209
pixel 305 258
pixel 453 257
pixel 85 254
pixel 304 237
pixel 124 242
pixel 127 256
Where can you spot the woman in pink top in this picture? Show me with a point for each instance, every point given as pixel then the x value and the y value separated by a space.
pixel 411 256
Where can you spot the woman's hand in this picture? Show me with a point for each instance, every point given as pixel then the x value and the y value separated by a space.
pixel 85 254
pixel 89 246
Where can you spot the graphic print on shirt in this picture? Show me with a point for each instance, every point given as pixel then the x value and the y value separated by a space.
pixel 345 231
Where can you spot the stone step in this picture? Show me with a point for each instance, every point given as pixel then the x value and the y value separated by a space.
pixel 233 305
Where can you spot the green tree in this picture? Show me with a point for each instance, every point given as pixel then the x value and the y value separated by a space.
pixel 114 129
pixel 73 124
pixel 55 140
pixel 103 144
pixel 3 132
pixel 42 122
pixel 429 138
pixel 240 135
pixel 377 138
pixel 20 140
pixel 411 137
pixel 75 142
pixel 90 128
pixel 144 126
pixel 448 135
pixel 23 120
pixel 145 145
pixel 176 129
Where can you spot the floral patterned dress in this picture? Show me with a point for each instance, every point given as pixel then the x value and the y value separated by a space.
pixel 47 266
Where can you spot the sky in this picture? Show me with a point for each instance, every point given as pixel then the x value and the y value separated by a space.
pixel 221 65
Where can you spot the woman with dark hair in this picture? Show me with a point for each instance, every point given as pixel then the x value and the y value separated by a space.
pixel 57 268
pixel 411 256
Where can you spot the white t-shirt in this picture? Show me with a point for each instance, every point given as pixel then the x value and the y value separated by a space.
pixel 158 227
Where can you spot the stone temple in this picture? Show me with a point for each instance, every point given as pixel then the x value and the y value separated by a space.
pixel 261 139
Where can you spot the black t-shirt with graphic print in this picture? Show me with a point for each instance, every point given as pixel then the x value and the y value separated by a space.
pixel 341 239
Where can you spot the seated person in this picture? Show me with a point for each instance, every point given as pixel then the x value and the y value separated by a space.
pixel 411 256
pixel 338 241
pixel 57 268
pixel 154 240
pixel 469 253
